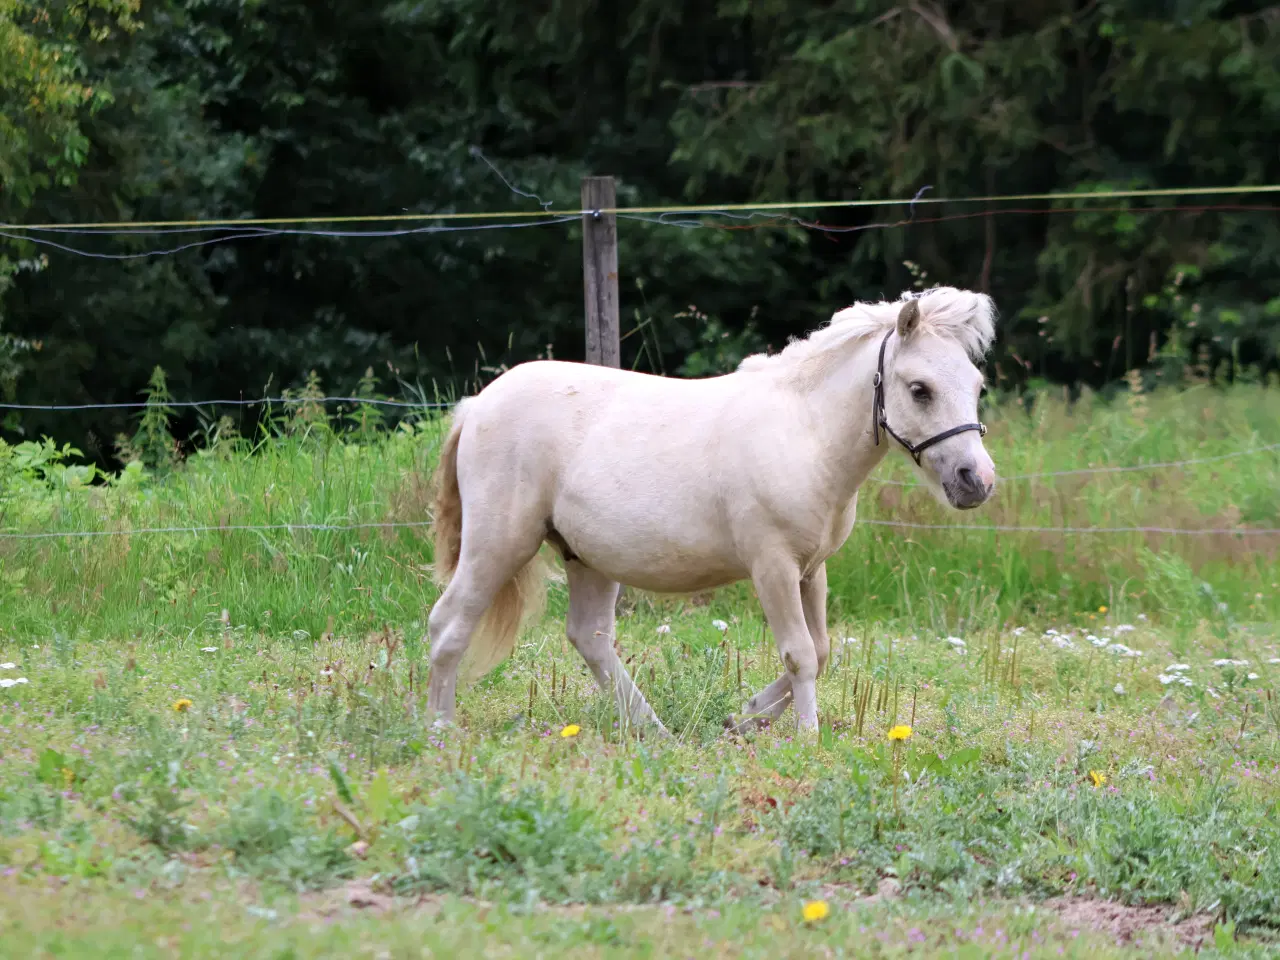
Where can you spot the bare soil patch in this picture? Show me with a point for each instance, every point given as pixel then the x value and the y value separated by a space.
pixel 1128 924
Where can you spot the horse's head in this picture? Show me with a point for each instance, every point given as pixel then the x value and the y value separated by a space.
pixel 929 399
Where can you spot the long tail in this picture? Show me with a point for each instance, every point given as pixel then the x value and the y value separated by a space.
pixel 520 599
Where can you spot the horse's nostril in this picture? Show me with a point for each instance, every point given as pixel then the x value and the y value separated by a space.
pixel 967 478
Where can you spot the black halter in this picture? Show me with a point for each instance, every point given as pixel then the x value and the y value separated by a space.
pixel 881 422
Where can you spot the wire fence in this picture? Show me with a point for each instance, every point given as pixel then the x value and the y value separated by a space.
pixel 262 401
pixel 448 405
pixel 31 235
pixel 746 215
pixel 420 524
pixel 919 198
pixel 443 405
pixel 1127 468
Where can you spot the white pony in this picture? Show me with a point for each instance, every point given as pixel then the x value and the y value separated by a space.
pixel 682 485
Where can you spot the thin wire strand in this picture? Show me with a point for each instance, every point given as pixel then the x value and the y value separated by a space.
pixel 229 528
pixel 663 209
pixel 139 404
pixel 1003 528
pixel 1128 468
pixel 699 221
pixel 445 405
pixel 772 220
pixel 416 524
pixel 246 234
pixel 479 155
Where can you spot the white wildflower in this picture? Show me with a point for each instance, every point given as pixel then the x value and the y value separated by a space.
pixel 1142 617
pixel 1125 628
pixel 1253 676
pixel 1228 662
pixel 1118 689
pixel 1274 660
pixel 1062 643
pixel 1120 650
pixel 664 628
pixel 955 643
pixel 1096 641
pixel 850 641
pixel 1051 632
pixel 6 682
pixel 1165 679
pixel 208 649
pixel 1177 668
pixel 1019 631
pixel 720 625
pixel 1185 681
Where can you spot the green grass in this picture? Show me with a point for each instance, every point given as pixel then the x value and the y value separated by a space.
pixel 133 823
pixel 279 580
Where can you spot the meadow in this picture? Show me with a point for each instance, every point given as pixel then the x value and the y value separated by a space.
pixel 213 743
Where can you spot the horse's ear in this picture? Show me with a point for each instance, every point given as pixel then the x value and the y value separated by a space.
pixel 908 318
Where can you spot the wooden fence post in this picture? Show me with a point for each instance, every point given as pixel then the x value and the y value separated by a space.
pixel 600 271
pixel 600 282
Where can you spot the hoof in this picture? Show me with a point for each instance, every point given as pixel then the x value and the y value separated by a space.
pixel 659 731
pixel 739 726
pixel 647 727
pixel 652 728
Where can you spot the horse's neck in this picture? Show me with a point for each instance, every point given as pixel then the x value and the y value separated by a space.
pixel 840 394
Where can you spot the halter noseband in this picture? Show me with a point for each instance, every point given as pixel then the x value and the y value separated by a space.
pixel 879 421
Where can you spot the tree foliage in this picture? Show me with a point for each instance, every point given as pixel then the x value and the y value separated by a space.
pixel 238 108
pixel 45 92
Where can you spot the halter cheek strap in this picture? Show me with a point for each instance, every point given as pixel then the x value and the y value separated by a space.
pixel 880 421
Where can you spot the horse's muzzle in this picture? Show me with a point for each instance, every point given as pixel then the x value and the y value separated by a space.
pixel 966 488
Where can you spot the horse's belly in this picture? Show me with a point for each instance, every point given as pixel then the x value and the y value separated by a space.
pixel 666 550
pixel 668 574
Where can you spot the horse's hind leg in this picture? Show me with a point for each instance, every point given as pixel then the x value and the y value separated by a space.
pixel 592 600
pixel 494 549
pixel 764 708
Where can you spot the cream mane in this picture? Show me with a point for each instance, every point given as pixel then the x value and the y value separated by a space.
pixel 964 316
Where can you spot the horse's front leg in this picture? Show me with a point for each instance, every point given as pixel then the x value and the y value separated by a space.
pixel 771 702
pixel 777 584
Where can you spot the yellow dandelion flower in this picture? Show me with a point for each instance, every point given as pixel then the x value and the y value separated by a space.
pixel 900 732
pixel 68 777
pixel 1098 778
pixel 181 705
pixel 572 730
pixel 815 910
pixel 1103 608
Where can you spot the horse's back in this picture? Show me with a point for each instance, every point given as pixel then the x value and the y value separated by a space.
pixel 561 403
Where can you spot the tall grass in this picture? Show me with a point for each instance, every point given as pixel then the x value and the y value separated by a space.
pixel 309 470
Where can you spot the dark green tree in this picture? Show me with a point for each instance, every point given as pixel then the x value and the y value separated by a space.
pixel 222 109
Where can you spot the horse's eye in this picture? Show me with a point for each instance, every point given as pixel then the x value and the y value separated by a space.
pixel 920 393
